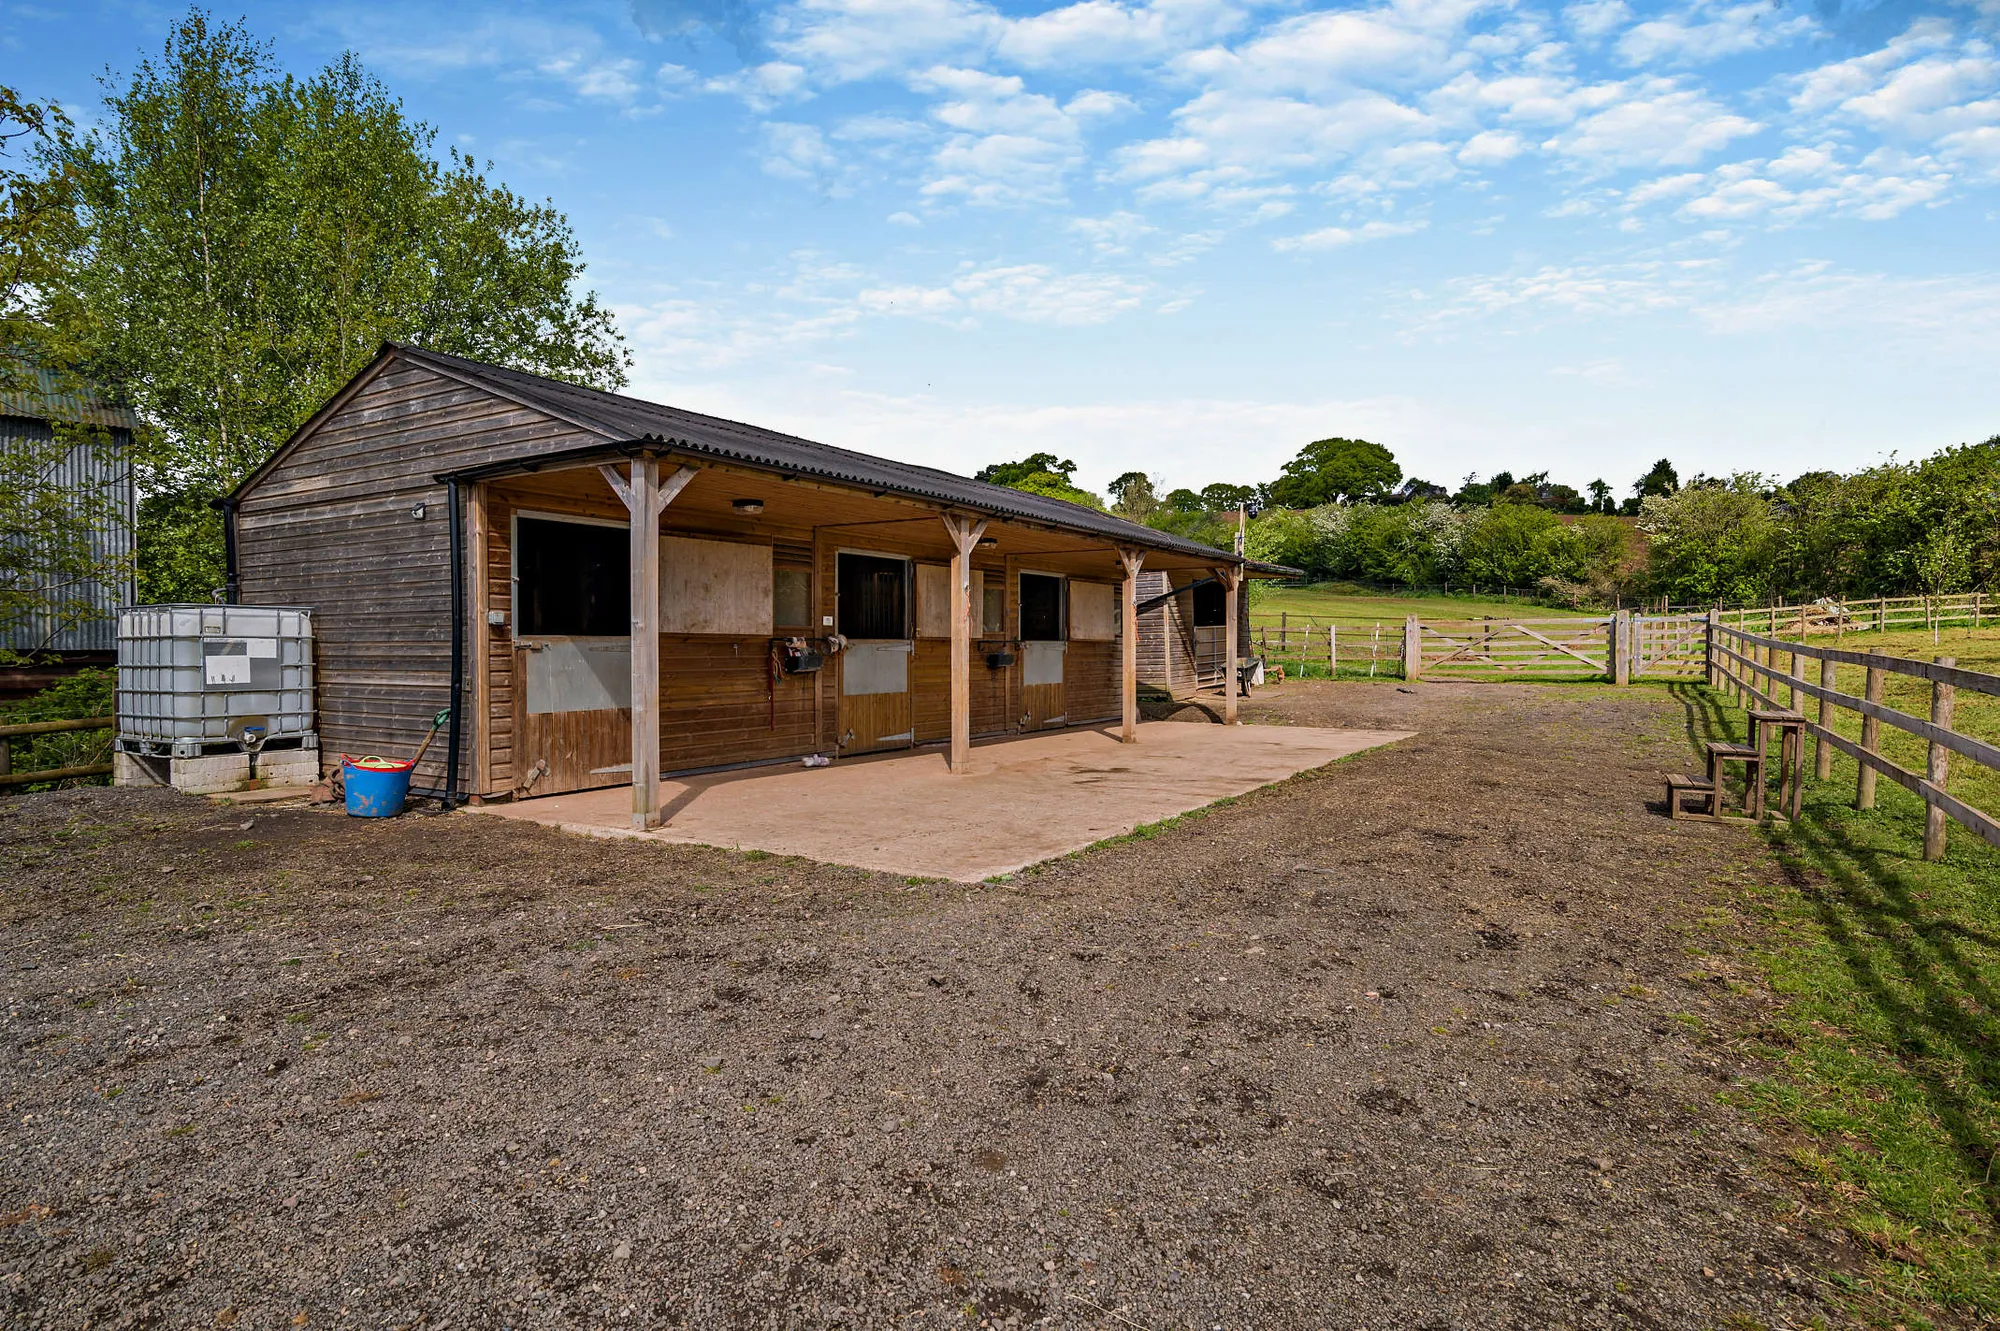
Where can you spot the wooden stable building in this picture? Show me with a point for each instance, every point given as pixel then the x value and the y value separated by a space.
pixel 466 536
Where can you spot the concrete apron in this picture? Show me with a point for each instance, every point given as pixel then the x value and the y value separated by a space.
pixel 1019 802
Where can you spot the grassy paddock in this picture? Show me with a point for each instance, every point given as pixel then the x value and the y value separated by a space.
pixel 1887 1044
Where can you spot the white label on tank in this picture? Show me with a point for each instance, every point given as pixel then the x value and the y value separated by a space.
pixel 225 669
pixel 264 647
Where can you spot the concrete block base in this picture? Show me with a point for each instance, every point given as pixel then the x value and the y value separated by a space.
pixel 218 773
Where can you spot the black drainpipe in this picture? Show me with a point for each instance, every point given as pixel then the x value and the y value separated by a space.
pixel 232 586
pixel 456 508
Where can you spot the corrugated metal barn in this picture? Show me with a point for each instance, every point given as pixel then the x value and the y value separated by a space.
pixel 643 590
pixel 96 471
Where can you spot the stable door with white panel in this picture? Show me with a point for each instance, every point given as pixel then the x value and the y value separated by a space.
pixel 872 612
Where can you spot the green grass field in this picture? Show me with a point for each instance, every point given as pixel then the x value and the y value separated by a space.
pixel 1887 1043
pixel 1346 605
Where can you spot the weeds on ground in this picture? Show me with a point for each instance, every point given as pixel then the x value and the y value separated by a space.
pixel 1888 1042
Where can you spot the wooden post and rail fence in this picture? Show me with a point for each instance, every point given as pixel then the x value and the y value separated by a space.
pixel 1719 648
pixel 1664 643
pixel 8 734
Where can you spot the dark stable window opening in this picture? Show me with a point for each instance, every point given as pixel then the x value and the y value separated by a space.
pixel 874 597
pixel 1211 606
pixel 1041 608
pixel 572 579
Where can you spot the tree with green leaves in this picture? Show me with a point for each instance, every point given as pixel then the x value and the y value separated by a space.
pixel 1042 474
pixel 1222 497
pixel 1133 496
pixel 248 240
pixel 1661 480
pixel 1329 471
pixel 1713 542
pixel 1600 496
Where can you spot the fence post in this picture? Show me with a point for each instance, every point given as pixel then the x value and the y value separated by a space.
pixel 6 757
pixel 1332 654
pixel 1822 751
pixel 1708 654
pixel 1796 672
pixel 1413 649
pixel 1621 647
pixel 1939 767
pixel 1871 733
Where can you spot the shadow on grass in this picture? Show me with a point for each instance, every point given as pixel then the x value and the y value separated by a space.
pixel 1898 965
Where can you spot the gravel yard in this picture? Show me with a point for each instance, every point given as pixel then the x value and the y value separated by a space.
pixel 1435 1037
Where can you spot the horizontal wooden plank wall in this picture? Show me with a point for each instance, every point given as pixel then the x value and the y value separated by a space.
pixel 331 527
pixel 1091 677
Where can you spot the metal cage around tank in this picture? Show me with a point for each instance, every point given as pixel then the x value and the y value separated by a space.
pixel 190 676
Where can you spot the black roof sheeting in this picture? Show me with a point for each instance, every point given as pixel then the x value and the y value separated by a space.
pixel 630 419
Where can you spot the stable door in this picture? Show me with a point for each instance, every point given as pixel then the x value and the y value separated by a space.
pixel 1044 650
pixel 572 658
pixel 872 610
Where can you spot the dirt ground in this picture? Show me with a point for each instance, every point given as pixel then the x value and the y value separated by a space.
pixel 1434 1037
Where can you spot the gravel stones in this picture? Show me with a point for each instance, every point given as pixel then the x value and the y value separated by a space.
pixel 545 1081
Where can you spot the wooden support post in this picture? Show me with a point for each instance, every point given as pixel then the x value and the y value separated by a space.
pixel 643 501
pixel 1709 645
pixel 645 497
pixel 1332 653
pixel 1621 647
pixel 1797 671
pixel 1413 649
pixel 1231 578
pixel 1128 633
pixel 1871 734
pixel 1823 751
pixel 964 533
pixel 1939 768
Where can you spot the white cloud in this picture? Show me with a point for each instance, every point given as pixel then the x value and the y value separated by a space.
pixel 1493 147
pixel 1103 32
pixel 1959 313
pixel 846 40
pixel 1800 183
pixel 1591 19
pixel 1005 144
pixel 1338 237
pixel 1606 371
pixel 1712 29
pixel 1114 233
pixel 1649 122
pixel 1029 293
pixel 797 152
pixel 761 87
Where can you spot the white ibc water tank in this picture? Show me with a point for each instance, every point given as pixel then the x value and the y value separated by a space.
pixel 190 676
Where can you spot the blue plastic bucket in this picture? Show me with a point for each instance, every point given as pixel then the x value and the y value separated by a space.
pixel 376 787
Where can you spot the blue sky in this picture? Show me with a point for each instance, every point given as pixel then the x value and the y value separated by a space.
pixel 1189 236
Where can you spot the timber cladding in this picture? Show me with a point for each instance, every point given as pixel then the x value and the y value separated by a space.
pixel 351 519
pixel 331 525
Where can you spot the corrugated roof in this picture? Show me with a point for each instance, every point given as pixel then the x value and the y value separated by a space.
pixel 631 420
pixel 47 397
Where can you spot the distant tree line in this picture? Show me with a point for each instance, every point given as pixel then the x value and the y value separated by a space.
pixel 1343 509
